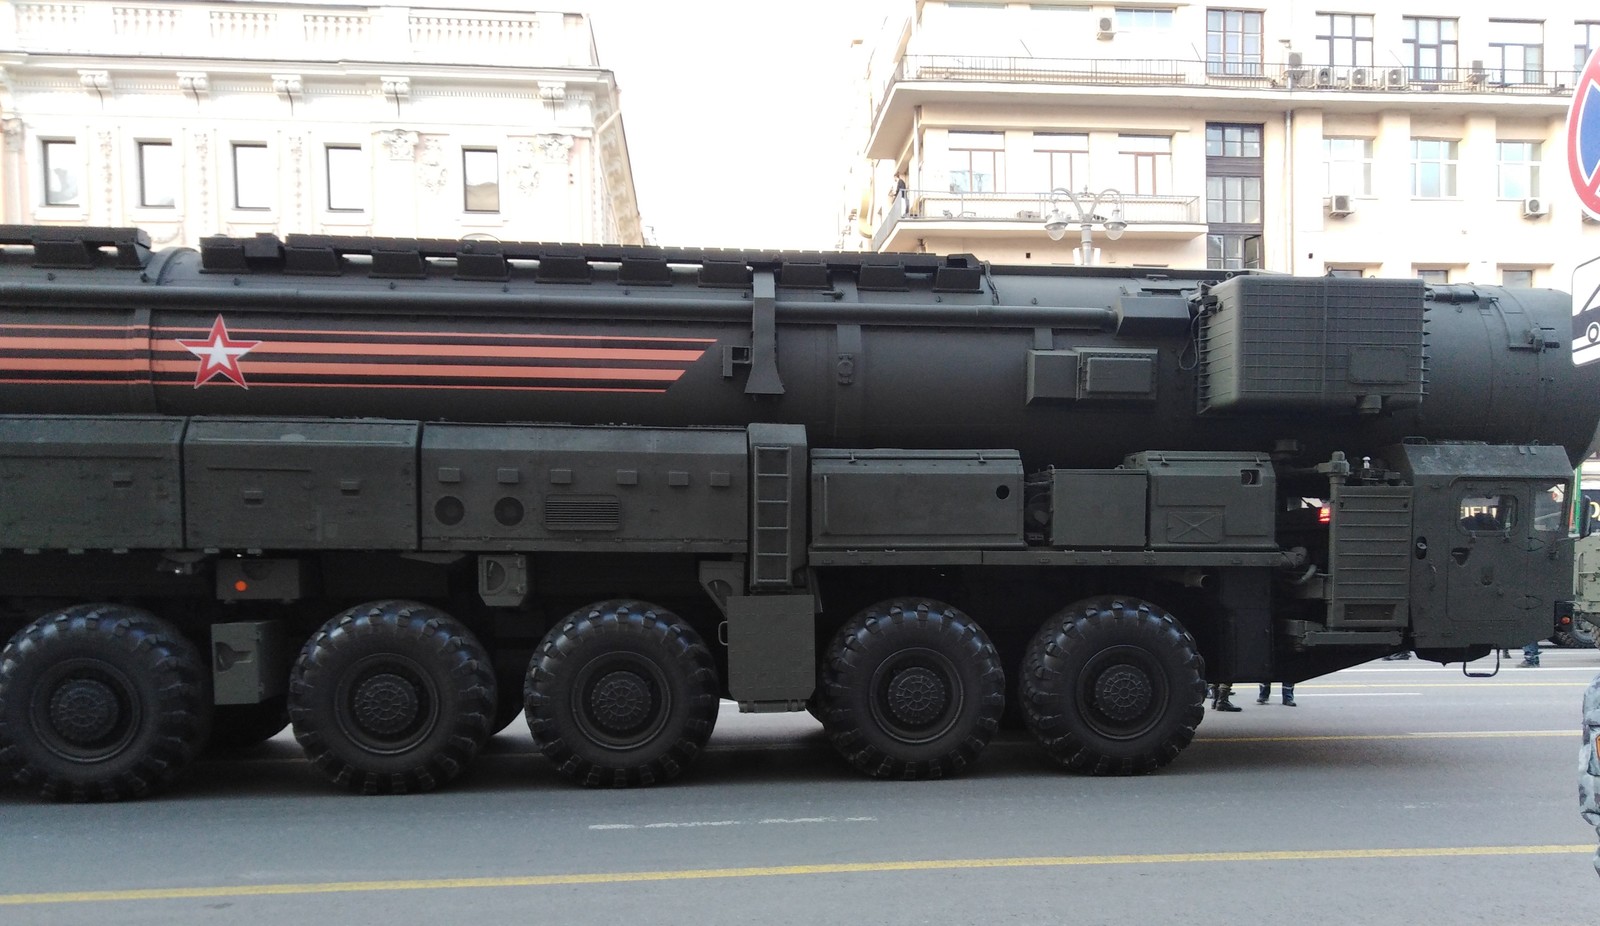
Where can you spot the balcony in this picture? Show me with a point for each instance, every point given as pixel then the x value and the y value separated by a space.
pixel 919 79
pixel 1009 215
pixel 300 32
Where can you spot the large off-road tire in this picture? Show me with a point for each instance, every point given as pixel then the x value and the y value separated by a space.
pixel 241 726
pixel 911 688
pixel 1113 686
pixel 622 693
pixel 392 697
pixel 100 702
pixel 1582 634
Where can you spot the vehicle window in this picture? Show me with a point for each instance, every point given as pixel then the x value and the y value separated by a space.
pixel 1550 509
pixel 1483 513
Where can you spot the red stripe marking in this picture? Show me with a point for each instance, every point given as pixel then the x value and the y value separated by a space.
pixel 56 363
pixel 120 383
pixel 7 343
pixel 163 329
pixel 186 367
pixel 455 350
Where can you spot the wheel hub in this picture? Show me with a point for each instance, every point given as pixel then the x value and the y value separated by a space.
pixel 1123 693
pixel 620 701
pixel 916 696
pixel 84 711
pixel 385 704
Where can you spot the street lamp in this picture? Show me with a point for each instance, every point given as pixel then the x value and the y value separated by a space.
pixel 1055 224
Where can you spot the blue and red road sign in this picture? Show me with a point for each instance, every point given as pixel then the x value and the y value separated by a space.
pixel 1583 136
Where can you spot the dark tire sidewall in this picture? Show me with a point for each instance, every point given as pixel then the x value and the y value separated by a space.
pixel 1081 645
pixel 634 638
pixel 156 675
pixel 899 635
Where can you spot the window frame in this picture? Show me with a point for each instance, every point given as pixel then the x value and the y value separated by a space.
pixel 238 189
pixel 1449 168
pixel 466 171
pixel 1529 167
pixel 1335 41
pixel 1503 74
pixel 1076 159
pixel 141 162
pixel 68 148
pixel 1138 164
pixel 1225 27
pixel 968 148
pixel 1446 48
pixel 328 179
pixel 1363 165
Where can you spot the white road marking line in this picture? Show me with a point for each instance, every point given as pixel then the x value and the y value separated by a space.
pixel 694 824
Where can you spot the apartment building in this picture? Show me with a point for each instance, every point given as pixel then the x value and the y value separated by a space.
pixel 444 119
pixel 1418 137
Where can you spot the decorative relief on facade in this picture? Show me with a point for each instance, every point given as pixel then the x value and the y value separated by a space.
pixel 431 172
pixel 400 143
pixel 242 27
pixel 202 171
pixel 554 148
pixel 142 22
pixel 12 127
pixel 297 160
pixel 523 168
pixel 108 151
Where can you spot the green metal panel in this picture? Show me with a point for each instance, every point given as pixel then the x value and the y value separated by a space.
pixel 1204 499
pixel 771 647
pixel 301 484
pixel 910 499
pixel 1098 509
pixel 90 483
pixel 526 487
pixel 1369 561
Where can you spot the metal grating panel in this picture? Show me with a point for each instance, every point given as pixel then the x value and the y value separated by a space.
pixel 1370 557
pixel 582 513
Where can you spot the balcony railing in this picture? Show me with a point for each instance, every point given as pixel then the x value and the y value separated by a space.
pixel 1028 210
pixel 293 31
pixel 1224 75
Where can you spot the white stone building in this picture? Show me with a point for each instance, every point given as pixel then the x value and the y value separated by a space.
pixel 1418 137
pixel 435 120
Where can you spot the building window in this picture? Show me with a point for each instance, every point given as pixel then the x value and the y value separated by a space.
pixel 1518 278
pixel 1347 273
pixel 1066 160
pixel 1233 200
pixel 253 176
pixel 1433 275
pixel 348 178
pixel 1433 168
pixel 1233 42
pixel 158 175
pixel 1349 165
pixel 1519 169
pixel 480 179
pixel 62 171
pixel 1233 252
pixel 977 162
pixel 1588 41
pixel 1233 141
pixel 1147 163
pixel 1346 39
pixel 1516 56
pixel 1431 45
pixel 1143 20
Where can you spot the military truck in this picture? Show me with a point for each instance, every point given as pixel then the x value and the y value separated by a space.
pixel 397 493
pixel 1583 630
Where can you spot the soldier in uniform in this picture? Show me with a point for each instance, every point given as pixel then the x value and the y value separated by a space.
pixel 1589 762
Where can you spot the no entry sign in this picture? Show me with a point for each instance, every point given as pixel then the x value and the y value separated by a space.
pixel 1583 136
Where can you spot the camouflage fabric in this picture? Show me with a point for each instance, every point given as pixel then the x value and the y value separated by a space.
pixel 1589 762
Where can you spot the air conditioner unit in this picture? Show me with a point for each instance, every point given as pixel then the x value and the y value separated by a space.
pixel 1296 59
pixel 1360 77
pixel 1395 78
pixel 1340 204
pixel 1477 77
pixel 1533 207
pixel 1324 77
pixel 1297 77
pixel 1108 29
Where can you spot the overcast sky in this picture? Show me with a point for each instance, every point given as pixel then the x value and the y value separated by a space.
pixel 733 113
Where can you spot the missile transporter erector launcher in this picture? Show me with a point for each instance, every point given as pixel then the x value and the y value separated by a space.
pixel 397 493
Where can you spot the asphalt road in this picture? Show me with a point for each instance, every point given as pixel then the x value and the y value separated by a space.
pixel 1397 792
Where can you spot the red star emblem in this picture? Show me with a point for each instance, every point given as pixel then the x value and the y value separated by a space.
pixel 219 355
